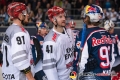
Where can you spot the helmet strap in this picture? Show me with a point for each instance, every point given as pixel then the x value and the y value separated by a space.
pixel 19 19
pixel 56 22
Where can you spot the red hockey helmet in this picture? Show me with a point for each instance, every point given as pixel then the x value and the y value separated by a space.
pixel 54 11
pixel 15 8
pixel 72 23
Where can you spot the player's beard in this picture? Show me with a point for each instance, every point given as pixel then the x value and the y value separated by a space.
pixel 63 24
pixel 25 20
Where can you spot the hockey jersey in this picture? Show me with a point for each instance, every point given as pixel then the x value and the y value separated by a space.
pixel 116 51
pixel 98 43
pixel 58 50
pixel 17 53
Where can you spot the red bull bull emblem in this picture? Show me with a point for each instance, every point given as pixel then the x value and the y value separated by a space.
pixel 91 9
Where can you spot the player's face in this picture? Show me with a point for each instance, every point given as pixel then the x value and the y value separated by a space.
pixel 111 31
pixel 72 27
pixel 61 19
pixel 42 31
pixel 24 17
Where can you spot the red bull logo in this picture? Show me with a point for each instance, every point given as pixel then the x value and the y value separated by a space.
pixel 91 9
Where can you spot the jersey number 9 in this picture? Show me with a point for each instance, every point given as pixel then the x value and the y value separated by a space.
pixel 104 57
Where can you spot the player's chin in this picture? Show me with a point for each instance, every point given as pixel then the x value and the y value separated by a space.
pixel 26 21
pixel 63 24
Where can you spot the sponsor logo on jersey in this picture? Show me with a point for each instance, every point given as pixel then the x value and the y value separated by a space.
pixel 68 50
pixel 8 76
pixel 70 53
pixel 103 40
pixel 73 75
pixel 67 56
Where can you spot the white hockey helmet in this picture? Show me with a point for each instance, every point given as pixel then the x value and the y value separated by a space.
pixel 108 24
pixel 94 12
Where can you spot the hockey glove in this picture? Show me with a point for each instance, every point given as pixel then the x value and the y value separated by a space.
pixel 91 64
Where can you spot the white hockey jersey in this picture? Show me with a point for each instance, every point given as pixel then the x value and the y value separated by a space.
pixel 58 51
pixel 17 54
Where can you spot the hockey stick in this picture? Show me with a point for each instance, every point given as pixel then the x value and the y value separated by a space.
pixel 38 49
pixel 82 44
pixel 83 36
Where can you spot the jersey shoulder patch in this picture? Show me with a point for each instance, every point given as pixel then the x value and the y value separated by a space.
pixel 51 36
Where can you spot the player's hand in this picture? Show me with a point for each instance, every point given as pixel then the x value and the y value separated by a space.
pixel 31 79
pixel 91 64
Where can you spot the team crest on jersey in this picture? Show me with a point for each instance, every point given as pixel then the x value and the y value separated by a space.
pixel 41 42
pixel 78 44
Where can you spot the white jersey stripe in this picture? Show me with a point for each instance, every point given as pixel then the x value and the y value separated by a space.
pixel 19 53
pixel 49 61
pixel 19 59
pixel 49 67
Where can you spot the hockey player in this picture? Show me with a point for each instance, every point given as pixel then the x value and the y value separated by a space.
pixel 37 45
pixel 16 48
pixel 109 26
pixel 58 47
pixel 72 25
pixel 98 45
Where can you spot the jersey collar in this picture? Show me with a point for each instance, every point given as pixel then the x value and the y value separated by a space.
pixel 59 32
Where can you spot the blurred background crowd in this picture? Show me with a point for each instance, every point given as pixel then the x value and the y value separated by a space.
pixel 37 9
